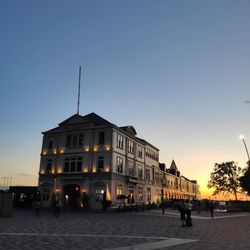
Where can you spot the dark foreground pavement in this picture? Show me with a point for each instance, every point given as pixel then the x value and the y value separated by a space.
pixel 123 231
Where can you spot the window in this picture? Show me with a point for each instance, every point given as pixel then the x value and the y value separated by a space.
pixel 140 194
pixel 131 170
pixel 157 177
pixel 101 138
pixel 73 164
pixel 75 140
pixel 68 141
pixel 119 164
pixel 139 151
pixel 140 171
pixel 51 143
pixel 81 140
pixel 148 194
pixel 119 189
pixel 100 163
pixel 147 177
pixel 119 141
pixel 130 147
pixel 176 183
pixel 46 194
pixel 49 166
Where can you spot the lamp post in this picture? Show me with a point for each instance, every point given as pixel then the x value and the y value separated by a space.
pixel 242 138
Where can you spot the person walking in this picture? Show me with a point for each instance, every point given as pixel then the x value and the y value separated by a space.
pixel 182 210
pixel 211 207
pixel 58 206
pixel 188 206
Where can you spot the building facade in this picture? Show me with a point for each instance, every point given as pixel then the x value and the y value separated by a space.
pixel 89 156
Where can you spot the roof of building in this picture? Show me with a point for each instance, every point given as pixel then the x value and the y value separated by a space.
pixel 92 119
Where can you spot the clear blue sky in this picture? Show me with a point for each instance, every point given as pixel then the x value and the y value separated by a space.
pixel 179 71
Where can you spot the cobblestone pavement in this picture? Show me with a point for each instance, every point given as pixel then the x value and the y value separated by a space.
pixel 123 231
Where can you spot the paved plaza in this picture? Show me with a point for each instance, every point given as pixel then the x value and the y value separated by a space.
pixel 123 231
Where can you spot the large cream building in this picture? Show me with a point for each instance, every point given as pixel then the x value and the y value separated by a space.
pixel 89 155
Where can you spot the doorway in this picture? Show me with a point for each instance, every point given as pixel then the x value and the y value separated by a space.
pixel 71 195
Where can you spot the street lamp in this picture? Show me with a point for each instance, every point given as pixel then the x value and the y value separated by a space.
pixel 242 138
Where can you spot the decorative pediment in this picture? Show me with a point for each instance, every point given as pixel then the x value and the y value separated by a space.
pixel 74 119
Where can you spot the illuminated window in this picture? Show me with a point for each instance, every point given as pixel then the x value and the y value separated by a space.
pixel 119 189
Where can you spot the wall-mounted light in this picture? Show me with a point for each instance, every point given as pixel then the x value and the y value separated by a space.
pixel 54 151
pixel 106 168
pixel 86 148
pixel 107 147
pixel 94 169
pixel 44 152
pixel 95 148
pixel 59 170
pixel 61 151
pixel 85 169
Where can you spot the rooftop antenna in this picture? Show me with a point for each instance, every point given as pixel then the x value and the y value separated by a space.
pixel 79 85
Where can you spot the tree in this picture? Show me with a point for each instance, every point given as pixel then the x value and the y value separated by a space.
pixel 245 179
pixel 225 178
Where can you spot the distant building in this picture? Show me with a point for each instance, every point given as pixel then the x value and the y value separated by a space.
pixel 89 156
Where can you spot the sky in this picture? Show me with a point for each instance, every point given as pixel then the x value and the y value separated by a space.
pixel 178 71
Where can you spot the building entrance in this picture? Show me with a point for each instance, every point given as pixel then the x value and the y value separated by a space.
pixel 71 195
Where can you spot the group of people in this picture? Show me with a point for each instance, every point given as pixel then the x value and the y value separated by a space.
pixel 185 208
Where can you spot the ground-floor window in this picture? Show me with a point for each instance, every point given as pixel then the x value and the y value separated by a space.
pixel 46 193
pixel 140 194
pixel 119 189
pixel 148 194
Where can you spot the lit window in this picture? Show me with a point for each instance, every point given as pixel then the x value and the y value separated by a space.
pixel 119 189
